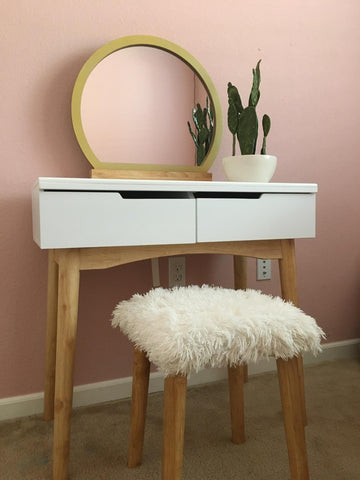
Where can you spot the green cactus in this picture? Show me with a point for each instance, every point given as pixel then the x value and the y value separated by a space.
pixel 243 122
pixel 203 119
pixel 266 124
pixel 247 131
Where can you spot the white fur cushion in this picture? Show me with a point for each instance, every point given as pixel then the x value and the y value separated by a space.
pixel 185 329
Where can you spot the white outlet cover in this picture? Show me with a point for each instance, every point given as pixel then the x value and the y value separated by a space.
pixel 263 269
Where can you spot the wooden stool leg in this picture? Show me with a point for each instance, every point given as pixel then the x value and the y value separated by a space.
pixel 174 427
pixel 300 369
pixel 240 282
pixel 292 410
pixel 51 327
pixel 236 395
pixel 287 268
pixel 246 373
pixel 140 387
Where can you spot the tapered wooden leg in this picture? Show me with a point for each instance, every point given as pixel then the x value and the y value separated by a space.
pixel 240 283
pixel 300 371
pixel 240 272
pixel 51 326
pixel 287 267
pixel 69 277
pixel 174 427
pixel 236 396
pixel 293 421
pixel 140 388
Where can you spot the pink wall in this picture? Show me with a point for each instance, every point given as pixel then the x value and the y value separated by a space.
pixel 310 68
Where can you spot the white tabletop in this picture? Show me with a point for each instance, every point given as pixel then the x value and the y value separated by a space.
pixel 95 184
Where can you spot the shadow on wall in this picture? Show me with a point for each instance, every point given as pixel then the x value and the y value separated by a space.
pixel 22 298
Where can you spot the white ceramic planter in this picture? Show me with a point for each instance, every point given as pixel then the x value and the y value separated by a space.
pixel 249 168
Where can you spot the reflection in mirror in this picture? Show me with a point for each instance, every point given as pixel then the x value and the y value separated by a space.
pixel 202 135
pixel 136 104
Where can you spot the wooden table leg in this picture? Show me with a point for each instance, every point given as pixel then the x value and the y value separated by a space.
pixel 240 283
pixel 69 279
pixel 240 272
pixel 51 326
pixel 287 267
pixel 294 427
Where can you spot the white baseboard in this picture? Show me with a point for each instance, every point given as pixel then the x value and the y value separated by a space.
pixel 110 390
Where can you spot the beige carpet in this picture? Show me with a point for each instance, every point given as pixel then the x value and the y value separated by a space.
pixel 99 434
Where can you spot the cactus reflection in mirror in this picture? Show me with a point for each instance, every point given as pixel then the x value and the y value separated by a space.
pixel 243 122
pixel 203 119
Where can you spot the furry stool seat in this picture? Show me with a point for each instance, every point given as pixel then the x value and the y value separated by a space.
pixel 186 329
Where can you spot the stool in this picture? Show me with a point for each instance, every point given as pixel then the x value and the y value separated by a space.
pixel 186 329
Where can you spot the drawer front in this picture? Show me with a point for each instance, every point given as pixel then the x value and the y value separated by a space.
pixel 102 219
pixel 271 216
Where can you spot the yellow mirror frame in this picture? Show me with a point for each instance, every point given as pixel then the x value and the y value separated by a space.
pixel 144 40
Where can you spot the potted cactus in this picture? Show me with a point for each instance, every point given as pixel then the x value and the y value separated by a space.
pixel 243 125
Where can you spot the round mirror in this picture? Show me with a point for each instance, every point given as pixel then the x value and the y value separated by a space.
pixel 144 103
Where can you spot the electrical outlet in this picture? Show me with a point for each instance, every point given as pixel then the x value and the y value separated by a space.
pixel 263 269
pixel 176 272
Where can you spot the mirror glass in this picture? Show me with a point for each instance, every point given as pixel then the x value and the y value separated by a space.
pixel 132 103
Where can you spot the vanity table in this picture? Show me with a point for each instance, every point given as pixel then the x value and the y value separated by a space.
pixel 106 221
pixel 88 224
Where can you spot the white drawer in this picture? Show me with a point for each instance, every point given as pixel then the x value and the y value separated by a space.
pixel 66 219
pixel 271 216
